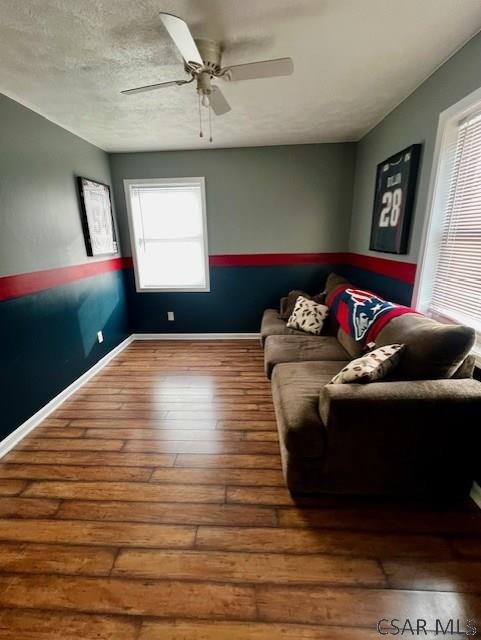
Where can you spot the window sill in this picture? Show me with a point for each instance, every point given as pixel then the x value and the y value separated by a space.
pixel 173 290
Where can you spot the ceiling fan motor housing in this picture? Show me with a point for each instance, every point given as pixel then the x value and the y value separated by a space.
pixel 210 52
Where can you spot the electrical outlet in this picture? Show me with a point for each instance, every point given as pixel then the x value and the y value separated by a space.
pixel 100 337
pixel 170 316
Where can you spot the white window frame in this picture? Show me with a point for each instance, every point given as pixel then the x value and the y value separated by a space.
pixel 447 132
pixel 162 182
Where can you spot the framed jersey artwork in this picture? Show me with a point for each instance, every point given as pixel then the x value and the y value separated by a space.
pixel 393 201
pixel 97 217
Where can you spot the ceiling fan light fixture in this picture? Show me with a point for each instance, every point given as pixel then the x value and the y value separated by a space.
pixel 205 100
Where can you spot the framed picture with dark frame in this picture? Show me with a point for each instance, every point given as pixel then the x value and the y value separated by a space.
pixel 97 217
pixel 396 180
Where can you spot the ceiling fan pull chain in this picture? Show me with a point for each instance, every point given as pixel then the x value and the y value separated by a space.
pixel 210 123
pixel 201 133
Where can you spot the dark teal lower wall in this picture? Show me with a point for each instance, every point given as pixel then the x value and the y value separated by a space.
pixel 386 286
pixel 235 303
pixel 49 339
pixel 239 295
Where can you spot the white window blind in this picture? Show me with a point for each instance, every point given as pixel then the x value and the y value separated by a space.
pixel 168 234
pixel 456 292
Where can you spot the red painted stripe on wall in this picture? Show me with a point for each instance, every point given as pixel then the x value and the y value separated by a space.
pixel 275 259
pixel 403 271
pixel 25 283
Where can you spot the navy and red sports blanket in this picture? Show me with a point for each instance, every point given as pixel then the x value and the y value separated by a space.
pixel 362 314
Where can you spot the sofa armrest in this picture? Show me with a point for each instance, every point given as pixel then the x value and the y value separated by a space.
pixel 382 396
pixel 426 428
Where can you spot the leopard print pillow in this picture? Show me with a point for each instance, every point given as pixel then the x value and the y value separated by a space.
pixel 371 367
pixel 308 316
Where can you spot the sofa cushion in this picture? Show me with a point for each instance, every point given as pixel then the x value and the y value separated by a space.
pixel 333 280
pixel 433 350
pixel 295 392
pixel 273 325
pixel 308 316
pixel 288 307
pixel 302 349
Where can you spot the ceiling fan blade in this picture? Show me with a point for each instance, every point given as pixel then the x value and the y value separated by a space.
pixel 181 36
pixel 153 87
pixel 263 69
pixel 218 102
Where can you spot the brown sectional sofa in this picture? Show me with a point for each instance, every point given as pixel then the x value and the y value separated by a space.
pixel 414 435
pixel 274 325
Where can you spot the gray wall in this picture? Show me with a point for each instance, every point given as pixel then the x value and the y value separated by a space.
pixel 49 337
pixel 292 199
pixel 259 200
pixel 40 225
pixel 415 120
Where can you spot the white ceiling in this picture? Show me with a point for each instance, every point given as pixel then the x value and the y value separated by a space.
pixel 354 60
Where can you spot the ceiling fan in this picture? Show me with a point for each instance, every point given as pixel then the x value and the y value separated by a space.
pixel 202 62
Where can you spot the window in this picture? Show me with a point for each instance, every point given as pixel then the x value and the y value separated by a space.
pixel 449 283
pixel 168 234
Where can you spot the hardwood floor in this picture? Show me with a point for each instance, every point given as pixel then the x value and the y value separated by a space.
pixel 151 506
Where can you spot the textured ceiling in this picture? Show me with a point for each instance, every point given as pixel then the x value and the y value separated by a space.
pixel 354 60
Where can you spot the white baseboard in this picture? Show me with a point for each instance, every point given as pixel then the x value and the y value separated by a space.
pixel 475 494
pixel 195 336
pixel 24 429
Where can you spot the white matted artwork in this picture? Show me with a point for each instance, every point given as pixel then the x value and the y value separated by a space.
pixel 97 218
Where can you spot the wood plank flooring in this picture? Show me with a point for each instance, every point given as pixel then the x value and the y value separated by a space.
pixel 151 505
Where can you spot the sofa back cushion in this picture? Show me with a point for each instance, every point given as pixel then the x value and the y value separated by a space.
pixel 331 326
pixel 333 280
pixel 432 350
pixel 287 307
pixel 353 348
pixel 466 368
